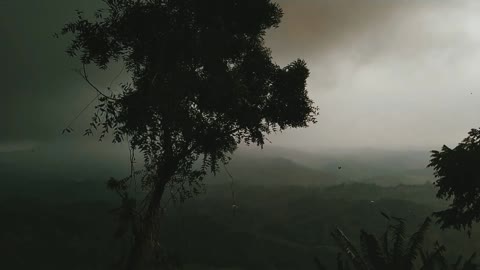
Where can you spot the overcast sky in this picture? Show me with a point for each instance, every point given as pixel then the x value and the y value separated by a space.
pixel 385 74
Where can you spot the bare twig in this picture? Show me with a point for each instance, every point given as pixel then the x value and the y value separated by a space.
pixel 81 112
pixel 116 77
pixel 232 188
pixel 171 198
pixel 84 75
pixel 131 155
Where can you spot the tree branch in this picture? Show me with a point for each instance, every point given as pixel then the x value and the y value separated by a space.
pixel 116 77
pixel 69 126
pixel 84 75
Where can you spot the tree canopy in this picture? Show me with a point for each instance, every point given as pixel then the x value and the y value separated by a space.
pixel 201 82
pixel 458 179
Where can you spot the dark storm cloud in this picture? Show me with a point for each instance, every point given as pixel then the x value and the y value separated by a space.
pixel 39 91
pixel 382 72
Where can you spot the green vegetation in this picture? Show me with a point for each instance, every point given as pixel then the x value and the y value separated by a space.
pixel 457 178
pixel 68 225
pixel 393 250
pixel 201 81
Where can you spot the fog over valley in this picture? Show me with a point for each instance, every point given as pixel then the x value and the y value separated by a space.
pixel 240 134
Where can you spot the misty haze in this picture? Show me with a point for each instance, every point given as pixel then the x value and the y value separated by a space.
pixel 240 134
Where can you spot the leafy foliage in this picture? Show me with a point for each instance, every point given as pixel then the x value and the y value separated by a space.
pixel 201 82
pixel 458 179
pixel 374 255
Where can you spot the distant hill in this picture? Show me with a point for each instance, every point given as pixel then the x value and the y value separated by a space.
pixel 269 171
pixel 384 167
pixel 250 165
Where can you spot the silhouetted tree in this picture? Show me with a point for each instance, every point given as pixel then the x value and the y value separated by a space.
pixel 458 179
pixel 394 251
pixel 202 82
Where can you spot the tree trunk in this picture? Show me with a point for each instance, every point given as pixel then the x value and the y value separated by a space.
pixel 165 171
pixel 146 226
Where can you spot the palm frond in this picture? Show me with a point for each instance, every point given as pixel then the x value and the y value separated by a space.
pixel 372 251
pixel 415 244
pixel 398 241
pixel 435 260
pixel 469 264
pixel 347 247
pixel 385 244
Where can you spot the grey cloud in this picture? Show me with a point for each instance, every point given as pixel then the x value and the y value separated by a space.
pixel 39 92
pixel 395 74
pixel 384 73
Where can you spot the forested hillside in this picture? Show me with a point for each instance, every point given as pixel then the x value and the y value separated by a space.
pixel 68 225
